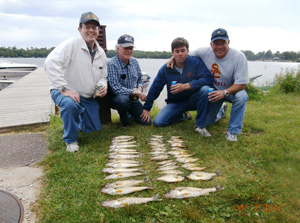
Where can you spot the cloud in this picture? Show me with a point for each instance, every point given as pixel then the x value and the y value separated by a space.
pixel 252 25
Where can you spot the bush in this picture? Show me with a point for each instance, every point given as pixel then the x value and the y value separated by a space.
pixel 254 93
pixel 288 83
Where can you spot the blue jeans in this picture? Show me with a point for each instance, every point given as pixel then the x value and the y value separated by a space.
pixel 75 116
pixel 125 107
pixel 172 112
pixel 239 104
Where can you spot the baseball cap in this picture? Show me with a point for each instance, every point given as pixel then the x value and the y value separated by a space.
pixel 219 34
pixel 126 41
pixel 88 16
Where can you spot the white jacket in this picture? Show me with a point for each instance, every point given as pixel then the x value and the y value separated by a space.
pixel 70 64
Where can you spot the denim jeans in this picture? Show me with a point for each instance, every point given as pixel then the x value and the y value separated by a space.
pixel 173 112
pixel 75 116
pixel 126 107
pixel 239 104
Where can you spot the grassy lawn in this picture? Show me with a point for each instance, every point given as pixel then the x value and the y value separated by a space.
pixel 262 168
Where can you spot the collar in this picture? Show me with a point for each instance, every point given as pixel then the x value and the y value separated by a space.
pixel 122 63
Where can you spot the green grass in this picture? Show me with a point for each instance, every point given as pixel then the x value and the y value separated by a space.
pixel 263 167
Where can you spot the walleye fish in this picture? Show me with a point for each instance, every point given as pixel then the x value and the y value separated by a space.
pixel 125 201
pixel 165 162
pixel 122 150
pixel 124 153
pixel 157 153
pixel 127 183
pixel 178 152
pixel 121 140
pixel 122 175
pixel 120 156
pixel 123 161
pixel 176 144
pixel 200 175
pixel 172 164
pixel 123 190
pixel 122 165
pixel 171 178
pixel 183 155
pixel 123 137
pixel 187 160
pixel 186 192
pixel 120 170
pixel 171 167
pixel 192 167
pixel 157 136
pixel 175 137
pixel 160 157
pixel 168 172
pixel 122 146
pixel 124 142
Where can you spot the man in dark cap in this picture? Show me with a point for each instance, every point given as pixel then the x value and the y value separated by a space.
pixel 230 70
pixel 77 71
pixel 125 80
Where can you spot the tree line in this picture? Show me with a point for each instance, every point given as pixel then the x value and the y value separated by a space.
pixel 251 56
pixel 284 56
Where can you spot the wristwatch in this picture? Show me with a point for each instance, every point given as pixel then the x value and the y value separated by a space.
pixel 226 93
pixel 62 89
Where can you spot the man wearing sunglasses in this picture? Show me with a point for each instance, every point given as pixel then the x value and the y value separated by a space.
pixel 77 71
pixel 230 70
pixel 125 81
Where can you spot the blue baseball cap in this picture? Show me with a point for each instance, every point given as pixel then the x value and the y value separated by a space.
pixel 219 34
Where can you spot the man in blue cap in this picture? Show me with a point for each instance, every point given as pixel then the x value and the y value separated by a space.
pixel 230 70
pixel 77 69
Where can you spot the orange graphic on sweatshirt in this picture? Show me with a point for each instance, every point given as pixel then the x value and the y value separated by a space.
pixel 215 70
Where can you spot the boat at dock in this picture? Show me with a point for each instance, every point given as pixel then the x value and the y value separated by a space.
pixel 10 66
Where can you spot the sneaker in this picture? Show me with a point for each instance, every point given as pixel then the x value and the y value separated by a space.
pixel 187 116
pixel 224 105
pixel 203 132
pixel 72 147
pixel 231 137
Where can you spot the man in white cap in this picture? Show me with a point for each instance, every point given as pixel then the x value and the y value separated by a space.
pixel 77 71
pixel 125 81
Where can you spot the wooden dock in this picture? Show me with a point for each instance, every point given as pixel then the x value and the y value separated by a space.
pixel 26 101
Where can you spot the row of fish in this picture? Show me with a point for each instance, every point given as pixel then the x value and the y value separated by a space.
pixel 123 164
pixel 169 168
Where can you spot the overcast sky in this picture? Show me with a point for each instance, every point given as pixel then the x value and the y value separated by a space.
pixel 256 25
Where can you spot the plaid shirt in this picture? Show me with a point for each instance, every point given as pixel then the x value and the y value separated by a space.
pixel 122 78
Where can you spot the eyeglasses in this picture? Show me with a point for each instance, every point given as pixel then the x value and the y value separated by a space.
pixel 93 27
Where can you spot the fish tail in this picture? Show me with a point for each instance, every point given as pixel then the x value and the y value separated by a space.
pixel 219 187
pixel 155 198
pixel 218 172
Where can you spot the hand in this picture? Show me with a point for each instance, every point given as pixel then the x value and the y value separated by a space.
pixel 102 92
pixel 216 96
pixel 170 62
pixel 143 97
pixel 72 94
pixel 179 87
pixel 145 116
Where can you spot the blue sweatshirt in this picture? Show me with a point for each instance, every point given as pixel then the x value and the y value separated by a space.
pixel 194 72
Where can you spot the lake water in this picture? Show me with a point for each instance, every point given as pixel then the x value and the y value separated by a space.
pixel 268 70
